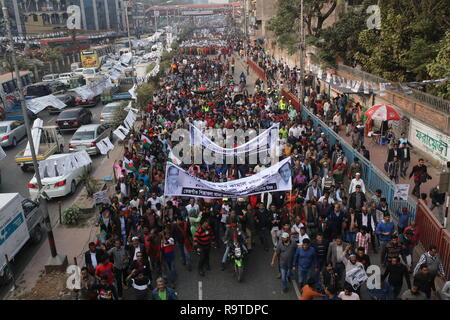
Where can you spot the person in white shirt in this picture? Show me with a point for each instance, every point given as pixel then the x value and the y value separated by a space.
pixel 337 119
pixel 153 200
pixel 192 206
pixel 303 235
pixel 347 294
pixel 295 131
pixel 295 230
pixel 357 181
pixel 258 168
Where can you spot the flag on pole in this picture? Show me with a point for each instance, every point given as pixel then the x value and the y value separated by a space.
pixel 129 165
pixel 172 158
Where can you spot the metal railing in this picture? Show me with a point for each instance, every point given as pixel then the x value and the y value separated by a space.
pixel 425 98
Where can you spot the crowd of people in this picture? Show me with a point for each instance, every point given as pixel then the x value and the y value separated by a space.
pixel 320 231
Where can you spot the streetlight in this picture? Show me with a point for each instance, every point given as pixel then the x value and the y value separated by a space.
pixel 56 261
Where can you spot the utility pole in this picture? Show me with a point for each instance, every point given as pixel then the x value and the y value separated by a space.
pixel 301 95
pixel 246 26
pixel 129 41
pixel 55 260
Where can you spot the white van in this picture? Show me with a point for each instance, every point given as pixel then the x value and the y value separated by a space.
pixel 65 78
pixel 20 220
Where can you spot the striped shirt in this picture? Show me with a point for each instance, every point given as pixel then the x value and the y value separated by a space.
pixel 203 237
pixel 434 263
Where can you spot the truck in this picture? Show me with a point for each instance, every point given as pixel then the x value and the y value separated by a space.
pixel 21 221
pixel 119 91
pixel 47 141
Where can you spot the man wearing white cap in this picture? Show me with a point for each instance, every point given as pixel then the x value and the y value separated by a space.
pixel 357 181
pixel 285 253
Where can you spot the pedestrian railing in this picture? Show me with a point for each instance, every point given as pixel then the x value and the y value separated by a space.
pixel 373 178
pixel 431 232
pixel 397 205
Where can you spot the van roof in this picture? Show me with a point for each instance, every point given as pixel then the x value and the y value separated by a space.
pixel 7 197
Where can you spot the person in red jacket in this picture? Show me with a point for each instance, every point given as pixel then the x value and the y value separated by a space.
pixel 203 240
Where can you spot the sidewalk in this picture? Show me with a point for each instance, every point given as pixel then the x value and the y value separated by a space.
pixel 378 156
pixel 70 241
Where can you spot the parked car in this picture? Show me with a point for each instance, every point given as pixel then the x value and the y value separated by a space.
pixel 11 132
pixel 89 102
pixel 60 185
pixel 78 71
pixel 73 119
pixel 106 66
pixel 50 77
pixel 86 137
pixel 90 72
pixel 65 78
pixel 41 89
pixel 108 112
pixel 68 98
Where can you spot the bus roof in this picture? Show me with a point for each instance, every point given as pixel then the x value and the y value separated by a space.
pixel 7 76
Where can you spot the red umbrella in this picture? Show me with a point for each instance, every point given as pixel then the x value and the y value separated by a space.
pixel 382 112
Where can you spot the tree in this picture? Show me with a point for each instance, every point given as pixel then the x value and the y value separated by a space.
pixel 407 43
pixel 285 24
pixel 440 68
pixel 341 39
pixel 21 62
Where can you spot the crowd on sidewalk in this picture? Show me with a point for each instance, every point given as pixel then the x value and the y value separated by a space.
pixel 319 232
pixel 343 115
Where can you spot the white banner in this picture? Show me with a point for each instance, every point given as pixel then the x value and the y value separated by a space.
pixel 101 197
pixel 105 145
pixel 94 88
pixel 2 153
pixel 121 132
pixel 132 91
pixel 401 191
pixel 356 276
pixel 36 132
pixel 36 105
pixel 429 141
pixel 63 165
pixel 264 142
pixel 181 183
pixel 130 119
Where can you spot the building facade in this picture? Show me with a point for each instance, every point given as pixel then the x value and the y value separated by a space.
pixel 35 17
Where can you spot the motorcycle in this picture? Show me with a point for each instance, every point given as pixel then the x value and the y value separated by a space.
pixel 236 255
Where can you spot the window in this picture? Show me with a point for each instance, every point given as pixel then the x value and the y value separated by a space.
pixel 28 206
pixel 35 18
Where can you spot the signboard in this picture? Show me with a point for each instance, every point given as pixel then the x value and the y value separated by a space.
pixel 273 179
pixel 401 191
pixel 156 13
pixel 429 140
pixel 89 59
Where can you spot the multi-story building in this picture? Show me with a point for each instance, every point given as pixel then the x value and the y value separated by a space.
pixel 34 17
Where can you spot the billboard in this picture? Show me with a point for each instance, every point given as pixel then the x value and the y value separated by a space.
pixel 89 59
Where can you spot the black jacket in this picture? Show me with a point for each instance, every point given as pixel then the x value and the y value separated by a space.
pixel 264 219
pixel 392 153
pixel 402 156
pixel 358 218
pixel 99 253
pixel 396 274
pixel 425 282
pixel 352 200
